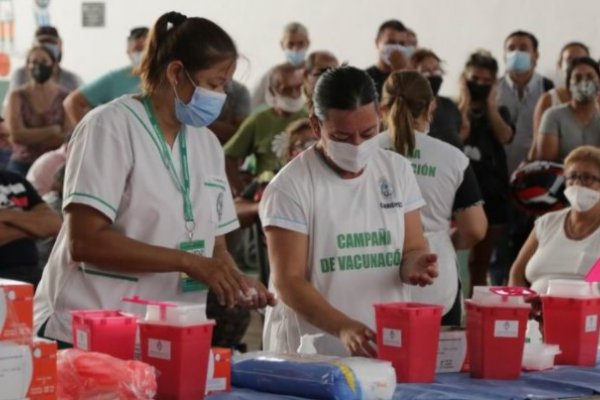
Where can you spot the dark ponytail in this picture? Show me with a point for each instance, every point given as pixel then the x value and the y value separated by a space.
pixel 406 95
pixel 197 42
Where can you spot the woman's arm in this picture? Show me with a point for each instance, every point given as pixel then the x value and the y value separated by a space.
pixel 39 222
pixel 542 105
pixel 92 239
pixel 9 234
pixel 517 271
pixel 547 147
pixel 51 136
pixel 288 260
pixel 419 265
pixel 471 226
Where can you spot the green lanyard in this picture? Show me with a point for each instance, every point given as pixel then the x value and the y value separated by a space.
pixel 165 154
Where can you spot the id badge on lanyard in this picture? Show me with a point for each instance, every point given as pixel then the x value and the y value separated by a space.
pixel 195 247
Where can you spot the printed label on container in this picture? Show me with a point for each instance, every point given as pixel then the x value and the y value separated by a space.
pixel 506 329
pixel 591 323
pixel 216 384
pixel 82 340
pixel 160 349
pixel 392 337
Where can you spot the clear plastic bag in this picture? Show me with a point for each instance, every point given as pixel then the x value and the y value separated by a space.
pixel 89 375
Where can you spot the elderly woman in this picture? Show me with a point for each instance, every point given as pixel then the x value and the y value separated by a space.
pixel 565 243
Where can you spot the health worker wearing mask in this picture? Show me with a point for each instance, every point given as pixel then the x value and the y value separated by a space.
pixel 35 116
pixel 343 226
pixel 446 181
pixel 564 244
pixel 125 80
pixel 577 122
pixel 146 200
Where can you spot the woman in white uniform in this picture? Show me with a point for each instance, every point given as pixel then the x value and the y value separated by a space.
pixel 146 200
pixel 343 226
pixel 446 180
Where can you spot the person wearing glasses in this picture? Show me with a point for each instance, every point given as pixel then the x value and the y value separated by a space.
pixel 577 122
pixel 564 244
pixel 125 80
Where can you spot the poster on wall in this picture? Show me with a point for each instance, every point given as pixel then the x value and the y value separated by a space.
pixel 7 36
pixel 42 12
pixel 93 14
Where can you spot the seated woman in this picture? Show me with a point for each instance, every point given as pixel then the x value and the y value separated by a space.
pixel 36 119
pixel 559 95
pixel 576 123
pixel 343 226
pixel 446 180
pixel 565 243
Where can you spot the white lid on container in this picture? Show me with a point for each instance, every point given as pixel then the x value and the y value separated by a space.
pixel 571 288
pixel 501 295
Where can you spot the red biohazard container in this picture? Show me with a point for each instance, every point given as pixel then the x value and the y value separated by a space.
pixel 496 323
pixel 105 331
pixel 175 339
pixel 572 323
pixel 408 336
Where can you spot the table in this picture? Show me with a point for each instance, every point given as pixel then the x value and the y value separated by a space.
pixel 561 382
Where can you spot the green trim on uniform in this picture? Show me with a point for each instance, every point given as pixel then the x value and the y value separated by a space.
pixel 212 184
pixel 98 199
pixel 108 275
pixel 228 223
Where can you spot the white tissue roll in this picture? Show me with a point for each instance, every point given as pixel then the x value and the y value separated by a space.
pixel 377 378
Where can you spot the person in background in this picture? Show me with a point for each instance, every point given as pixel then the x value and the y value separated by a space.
pixel 235 110
pixel 24 217
pixel 489 130
pixel 337 246
pixel 294 44
pixel 43 170
pixel 53 198
pixel 565 243
pixel 446 181
pixel 48 37
pixel 447 121
pixel 413 40
pixel 317 63
pixel 255 135
pixel 559 95
pixel 576 123
pixel 150 219
pixel 35 118
pixel 114 84
pixel 298 136
pixel 394 51
pixel 5 145
pixel 519 91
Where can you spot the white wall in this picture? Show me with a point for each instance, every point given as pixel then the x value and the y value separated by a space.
pixel 452 28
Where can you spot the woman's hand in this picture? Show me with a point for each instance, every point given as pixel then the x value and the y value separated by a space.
pixel 358 339
pixel 420 271
pixel 257 296
pixel 224 280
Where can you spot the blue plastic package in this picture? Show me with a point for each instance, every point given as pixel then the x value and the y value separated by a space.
pixel 311 376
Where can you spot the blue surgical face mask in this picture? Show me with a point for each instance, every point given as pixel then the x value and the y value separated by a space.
pixel 203 109
pixel 295 57
pixel 518 61
pixel 54 49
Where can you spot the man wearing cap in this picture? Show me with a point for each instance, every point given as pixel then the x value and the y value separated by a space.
pixel 114 84
pixel 48 37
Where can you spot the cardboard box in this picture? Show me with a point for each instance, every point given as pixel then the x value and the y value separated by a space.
pixel 16 310
pixel 219 371
pixel 28 370
pixel 452 351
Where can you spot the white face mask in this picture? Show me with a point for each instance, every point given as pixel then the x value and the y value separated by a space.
pixel 289 104
pixel 136 58
pixel 349 157
pixel 582 198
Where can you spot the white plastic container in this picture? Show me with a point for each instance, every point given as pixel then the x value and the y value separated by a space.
pixel 572 288
pixel 539 356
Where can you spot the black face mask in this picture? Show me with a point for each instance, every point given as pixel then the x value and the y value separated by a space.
pixel 478 92
pixel 41 72
pixel 436 82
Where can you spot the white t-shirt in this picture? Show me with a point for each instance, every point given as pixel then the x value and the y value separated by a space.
pixel 355 230
pixel 439 169
pixel 114 167
pixel 557 256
